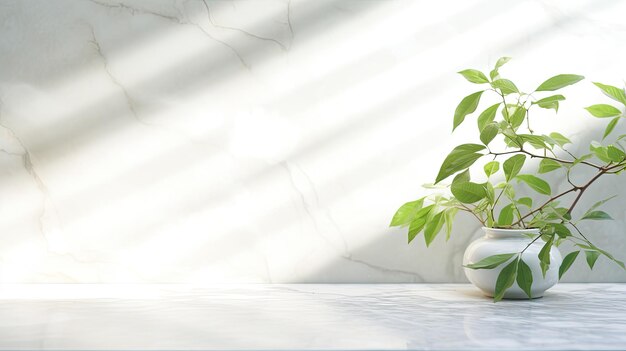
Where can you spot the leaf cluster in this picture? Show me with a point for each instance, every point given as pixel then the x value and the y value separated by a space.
pixel 493 201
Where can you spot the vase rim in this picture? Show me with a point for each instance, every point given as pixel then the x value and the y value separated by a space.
pixel 501 232
pixel 513 229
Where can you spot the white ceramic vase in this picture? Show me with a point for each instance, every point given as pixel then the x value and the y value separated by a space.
pixel 502 241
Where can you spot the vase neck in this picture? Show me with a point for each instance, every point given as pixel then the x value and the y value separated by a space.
pixel 509 233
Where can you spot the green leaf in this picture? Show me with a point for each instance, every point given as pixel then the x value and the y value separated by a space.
pixel 424 211
pixel 603 110
pixel 449 215
pixel 548 140
pixel 537 141
pixel 474 76
pixel 614 93
pixel 509 111
pixel 596 215
pixel 505 86
pixel 505 280
pixel 616 155
pixel 433 227
pixel 466 106
pixel 416 227
pixel 561 230
pixel 491 168
pixel 490 222
pixel 553 212
pixel 488 133
pixel 567 262
pixel 610 127
pixel 601 152
pixel 526 201
pixel 513 165
pixel 544 256
pixel 538 184
pixel 501 61
pixel 559 81
pixel 509 191
pixel 489 192
pixel 464 148
pixel 491 261
pixel 419 221
pixel 592 257
pixel 517 118
pixel 524 277
pixel 550 102
pixel 460 158
pixel 581 159
pixel 494 74
pixel 547 165
pixel 487 116
pixel 599 203
pixel 468 192
pixel 506 215
pixel 560 139
pixel 608 255
pixel 406 213
pixel 462 177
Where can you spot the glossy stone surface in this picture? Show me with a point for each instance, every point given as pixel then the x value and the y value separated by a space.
pixel 308 317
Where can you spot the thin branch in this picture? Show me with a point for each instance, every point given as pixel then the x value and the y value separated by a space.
pixel 530 243
pixel 521 150
pixel 544 205
pixel 581 233
pixel 583 188
pixel 519 214
pixel 496 202
pixel 569 180
pixel 615 172
pixel 465 208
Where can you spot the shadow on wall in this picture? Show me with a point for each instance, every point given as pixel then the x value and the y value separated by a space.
pixel 84 127
pixel 187 76
pixel 368 120
pixel 88 125
pixel 389 259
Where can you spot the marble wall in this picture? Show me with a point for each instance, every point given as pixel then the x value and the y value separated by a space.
pixel 266 141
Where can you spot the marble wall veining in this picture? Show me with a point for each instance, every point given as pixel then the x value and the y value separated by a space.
pixel 266 141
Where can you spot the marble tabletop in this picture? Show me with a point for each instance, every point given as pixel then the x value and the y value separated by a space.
pixel 308 317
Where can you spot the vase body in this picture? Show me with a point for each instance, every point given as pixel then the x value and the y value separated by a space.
pixel 503 241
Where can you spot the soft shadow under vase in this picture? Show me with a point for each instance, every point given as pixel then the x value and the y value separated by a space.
pixel 502 241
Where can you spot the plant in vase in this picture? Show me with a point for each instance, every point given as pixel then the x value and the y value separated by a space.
pixel 518 257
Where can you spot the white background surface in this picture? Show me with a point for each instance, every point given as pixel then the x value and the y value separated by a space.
pixel 142 142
